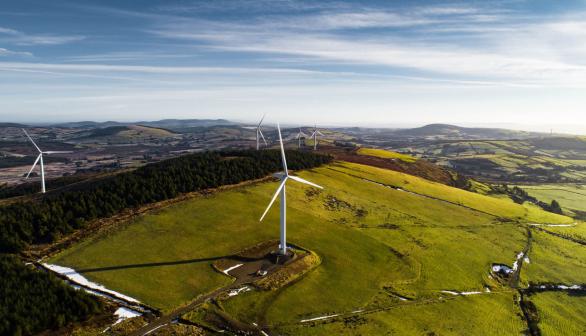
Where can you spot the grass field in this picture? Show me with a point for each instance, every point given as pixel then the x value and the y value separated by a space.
pixel 560 313
pixel 371 238
pixel 555 260
pixel 385 154
pixel 570 196
pixel 489 314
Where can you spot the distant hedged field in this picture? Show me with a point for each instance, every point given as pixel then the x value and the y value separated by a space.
pixel 59 213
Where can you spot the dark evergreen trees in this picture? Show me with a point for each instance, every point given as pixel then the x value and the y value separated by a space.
pixel 59 213
pixel 32 301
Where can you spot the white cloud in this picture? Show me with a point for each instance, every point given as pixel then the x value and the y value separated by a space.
pixel 20 38
pixel 6 52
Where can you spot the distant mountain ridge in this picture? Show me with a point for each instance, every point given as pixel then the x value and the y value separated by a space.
pixel 448 131
pixel 164 123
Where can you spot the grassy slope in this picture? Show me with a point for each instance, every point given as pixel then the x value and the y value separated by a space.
pixel 560 313
pixel 357 261
pixel 381 153
pixel 493 314
pixel 553 259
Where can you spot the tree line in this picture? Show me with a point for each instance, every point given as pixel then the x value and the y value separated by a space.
pixel 520 196
pixel 59 213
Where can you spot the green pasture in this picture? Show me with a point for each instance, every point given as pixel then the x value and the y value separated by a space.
pixel 555 260
pixel 486 314
pixel 560 314
pixel 570 196
pixel 385 154
pixel 369 237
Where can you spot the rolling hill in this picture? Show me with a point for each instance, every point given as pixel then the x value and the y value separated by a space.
pixel 391 244
pixel 446 131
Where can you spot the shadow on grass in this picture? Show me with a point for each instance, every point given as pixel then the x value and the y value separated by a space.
pixel 156 264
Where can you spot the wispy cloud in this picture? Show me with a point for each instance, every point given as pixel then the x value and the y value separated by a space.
pixel 6 52
pixel 23 39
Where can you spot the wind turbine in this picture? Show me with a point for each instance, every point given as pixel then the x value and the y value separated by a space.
pixel 299 135
pixel 314 135
pixel 259 134
pixel 40 158
pixel 284 177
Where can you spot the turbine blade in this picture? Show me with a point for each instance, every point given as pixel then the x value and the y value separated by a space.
pixel 282 151
pixel 34 164
pixel 299 179
pixel 261 119
pixel 320 133
pixel 31 139
pixel 274 198
pixel 263 137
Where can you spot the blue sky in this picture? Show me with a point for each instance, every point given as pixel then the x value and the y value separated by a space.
pixel 372 63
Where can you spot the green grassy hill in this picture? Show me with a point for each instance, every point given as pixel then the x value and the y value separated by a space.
pixel 379 234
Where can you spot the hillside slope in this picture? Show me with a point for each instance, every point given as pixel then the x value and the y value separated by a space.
pixel 377 231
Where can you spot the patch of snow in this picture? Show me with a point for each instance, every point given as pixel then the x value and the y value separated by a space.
pixel 526 259
pixel 357 311
pixel 231 268
pixel 77 278
pixel 124 313
pixel 516 263
pixel 470 293
pixel 501 268
pixel 237 291
pixel 460 293
pixel 569 287
pixel 450 292
pixel 487 289
pixel 264 333
pixel 319 318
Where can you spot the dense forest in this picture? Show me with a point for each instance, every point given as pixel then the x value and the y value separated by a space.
pixel 32 301
pixel 58 213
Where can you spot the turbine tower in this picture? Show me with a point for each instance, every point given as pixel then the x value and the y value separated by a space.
pixel 299 135
pixel 259 134
pixel 314 135
pixel 40 158
pixel 284 177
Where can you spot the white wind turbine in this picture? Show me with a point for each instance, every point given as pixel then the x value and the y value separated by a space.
pixel 284 177
pixel 259 134
pixel 299 136
pixel 40 157
pixel 314 135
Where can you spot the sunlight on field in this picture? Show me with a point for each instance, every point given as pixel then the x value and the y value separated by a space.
pixel 385 154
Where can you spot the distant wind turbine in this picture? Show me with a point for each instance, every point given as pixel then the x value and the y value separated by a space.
pixel 300 135
pixel 284 177
pixel 40 158
pixel 259 134
pixel 314 135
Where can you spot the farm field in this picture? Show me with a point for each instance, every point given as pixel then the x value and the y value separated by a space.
pixel 414 239
pixel 490 314
pixel 555 260
pixel 385 154
pixel 570 196
pixel 540 160
pixel 560 313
